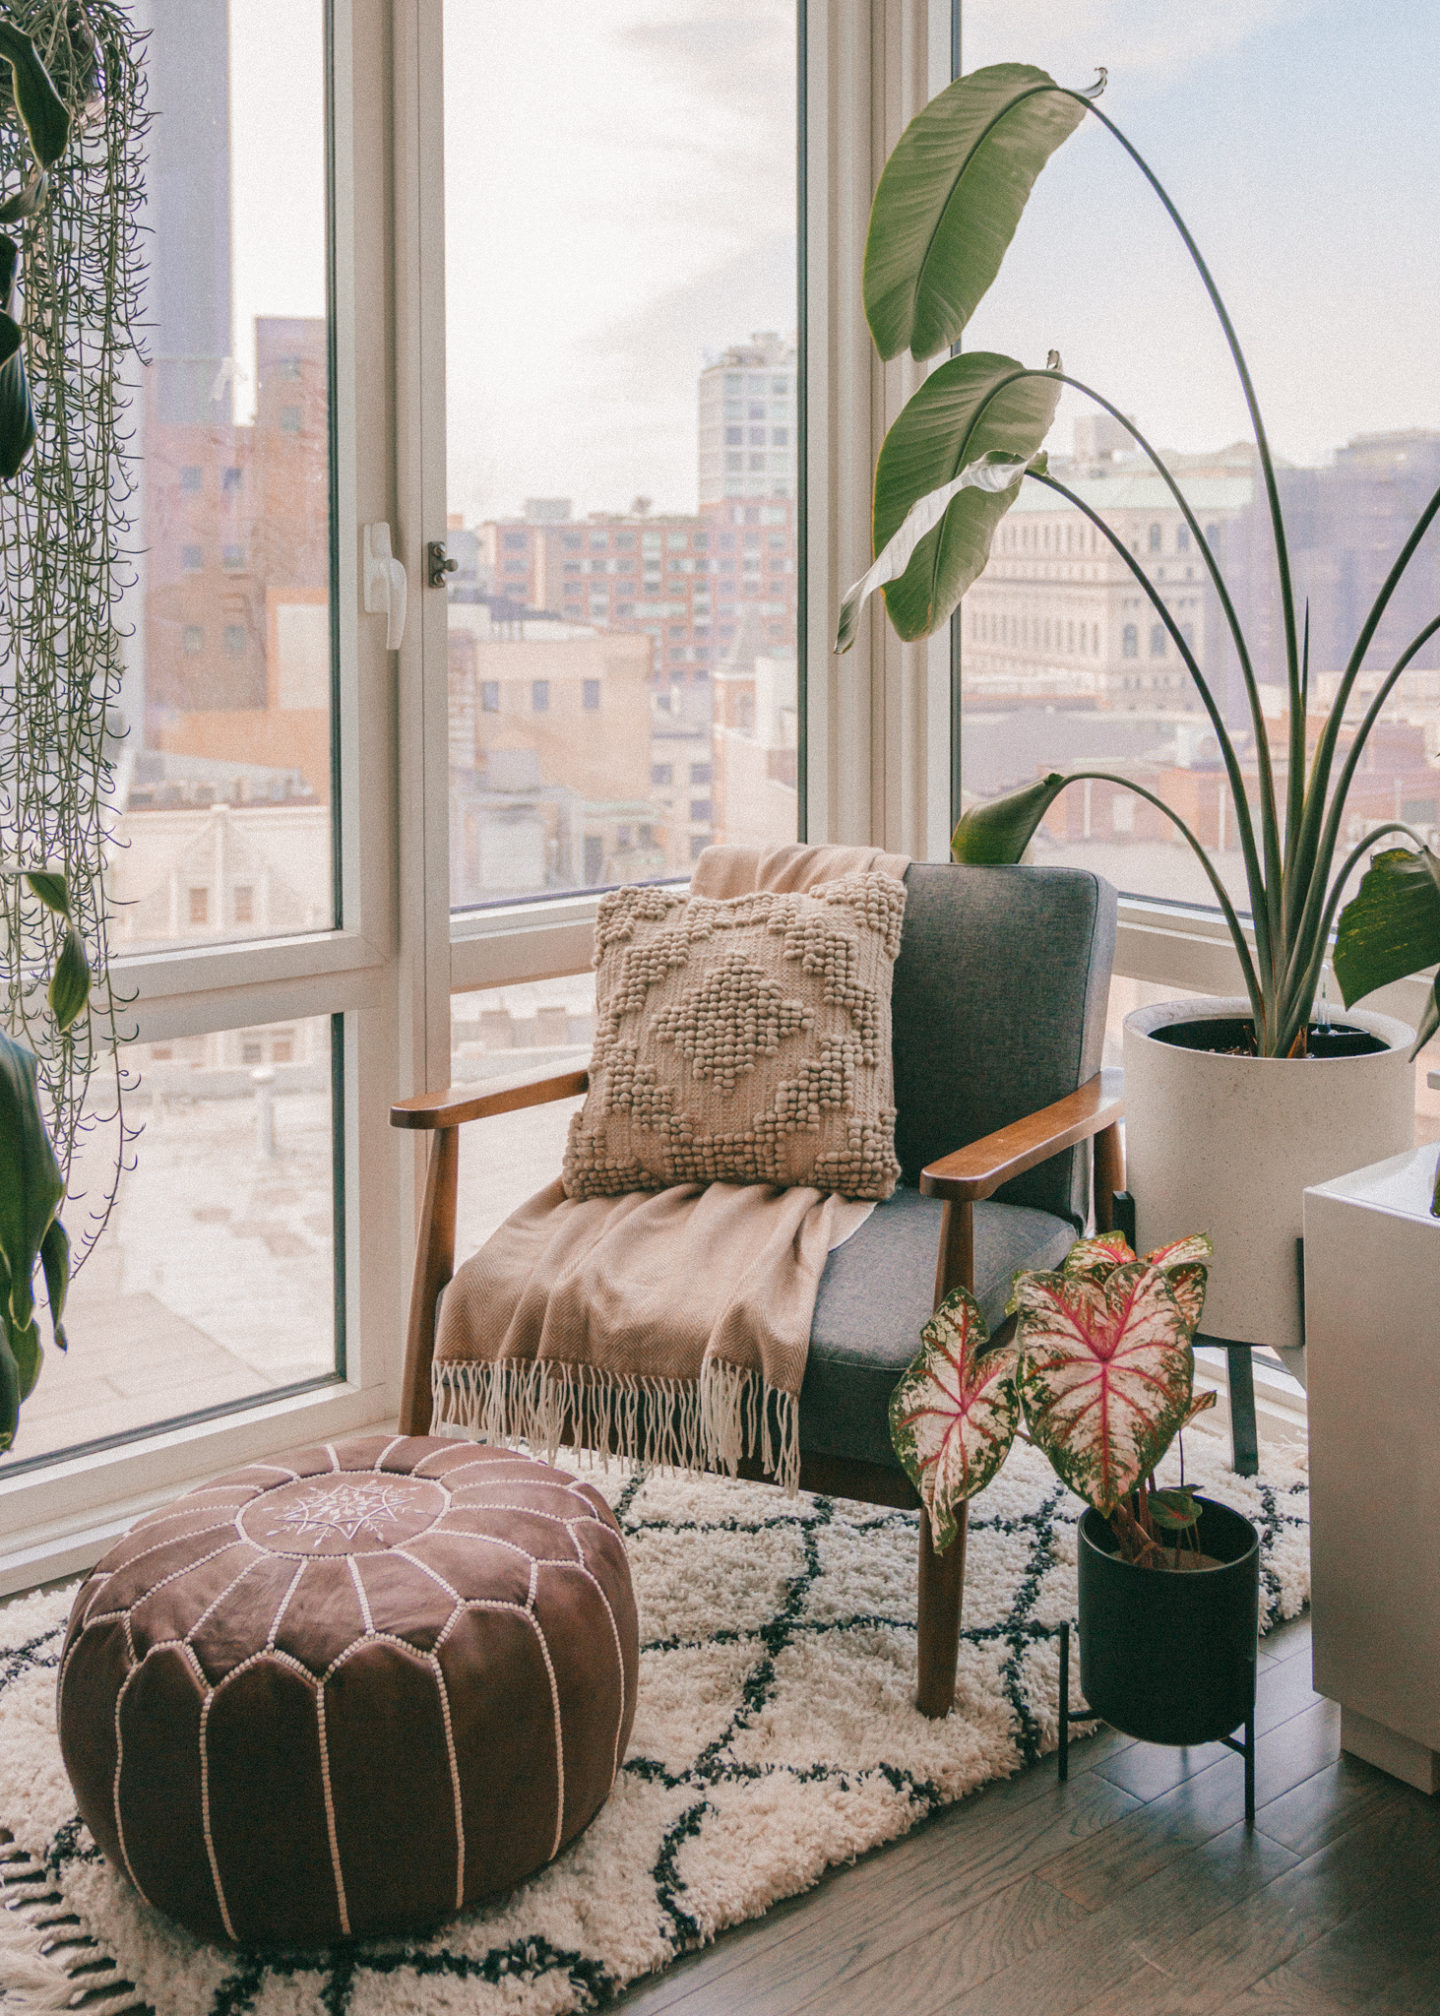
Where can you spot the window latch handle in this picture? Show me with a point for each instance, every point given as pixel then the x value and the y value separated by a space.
pixel 385 584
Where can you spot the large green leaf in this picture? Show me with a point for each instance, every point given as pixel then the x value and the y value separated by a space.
pixel 954 1414
pixel 17 421
pixel 41 108
pixel 950 198
pixel 1106 1374
pixel 55 1265
pixel 31 1188
pixel 52 889
pixel 1391 928
pixel 996 834
pixel 69 992
pixel 994 473
pixel 975 408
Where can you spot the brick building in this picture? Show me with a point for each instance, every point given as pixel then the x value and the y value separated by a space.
pixel 236 617
pixel 682 580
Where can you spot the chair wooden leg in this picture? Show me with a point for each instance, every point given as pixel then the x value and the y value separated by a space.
pixel 434 1264
pixel 1109 1176
pixel 942 1590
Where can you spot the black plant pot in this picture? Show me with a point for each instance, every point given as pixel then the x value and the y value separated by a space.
pixel 1168 1655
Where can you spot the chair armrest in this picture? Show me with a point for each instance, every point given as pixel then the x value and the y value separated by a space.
pixel 978 1171
pixel 433 1110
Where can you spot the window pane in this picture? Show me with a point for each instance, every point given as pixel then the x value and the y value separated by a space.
pixel 498 1032
pixel 1323 245
pixel 223 780
pixel 215 1281
pixel 599 517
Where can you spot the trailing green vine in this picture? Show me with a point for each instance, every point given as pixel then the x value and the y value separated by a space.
pixel 64 531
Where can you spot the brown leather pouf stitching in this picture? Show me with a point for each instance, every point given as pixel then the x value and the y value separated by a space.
pixel 351 1690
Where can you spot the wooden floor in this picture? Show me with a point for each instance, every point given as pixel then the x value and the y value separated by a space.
pixel 1132 1891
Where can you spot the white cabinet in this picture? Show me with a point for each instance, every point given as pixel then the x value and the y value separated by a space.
pixel 1372 1331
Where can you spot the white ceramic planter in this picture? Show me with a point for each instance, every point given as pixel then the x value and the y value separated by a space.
pixel 1229 1145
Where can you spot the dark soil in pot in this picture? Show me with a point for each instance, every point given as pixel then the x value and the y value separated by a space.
pixel 1167 1655
pixel 1234 1036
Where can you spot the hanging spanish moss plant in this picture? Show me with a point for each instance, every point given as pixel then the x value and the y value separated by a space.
pixel 71 187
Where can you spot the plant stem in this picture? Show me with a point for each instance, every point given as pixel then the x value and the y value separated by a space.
pixel 1262 445
pixel 1269 818
pixel 1300 861
pixel 1310 931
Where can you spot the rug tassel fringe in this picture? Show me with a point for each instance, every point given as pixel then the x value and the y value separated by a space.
pixel 46 1960
pixel 685 1425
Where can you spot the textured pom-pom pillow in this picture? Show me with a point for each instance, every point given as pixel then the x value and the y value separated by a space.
pixel 743 1041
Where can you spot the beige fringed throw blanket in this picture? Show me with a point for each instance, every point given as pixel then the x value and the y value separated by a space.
pixel 671 1322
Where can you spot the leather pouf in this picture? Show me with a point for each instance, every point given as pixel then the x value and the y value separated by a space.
pixel 352 1689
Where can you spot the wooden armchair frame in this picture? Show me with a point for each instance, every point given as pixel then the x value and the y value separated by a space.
pixel 963 1180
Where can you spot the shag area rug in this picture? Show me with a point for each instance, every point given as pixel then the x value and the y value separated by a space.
pixel 775 1736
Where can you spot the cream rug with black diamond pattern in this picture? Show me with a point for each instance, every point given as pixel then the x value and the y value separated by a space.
pixel 775 1736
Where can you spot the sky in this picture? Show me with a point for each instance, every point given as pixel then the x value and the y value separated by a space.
pixel 620 205
pixel 277 170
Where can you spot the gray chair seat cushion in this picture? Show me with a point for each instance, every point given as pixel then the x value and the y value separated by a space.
pixel 877 1293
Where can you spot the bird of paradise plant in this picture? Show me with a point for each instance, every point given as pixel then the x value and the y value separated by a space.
pixel 945 211
pixel 1100 1366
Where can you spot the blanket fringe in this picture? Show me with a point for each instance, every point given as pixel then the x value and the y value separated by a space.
pixel 47 1960
pixel 683 1425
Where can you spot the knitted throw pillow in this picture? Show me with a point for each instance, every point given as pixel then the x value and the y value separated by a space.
pixel 745 1041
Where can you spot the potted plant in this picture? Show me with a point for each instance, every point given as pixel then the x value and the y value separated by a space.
pixel 1234 1107
pixel 1101 1366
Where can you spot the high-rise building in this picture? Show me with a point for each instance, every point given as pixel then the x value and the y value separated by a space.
pixel 749 421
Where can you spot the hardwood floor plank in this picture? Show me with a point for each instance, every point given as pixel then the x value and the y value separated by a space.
pixel 1197 1971
pixel 1336 1799
pixel 1287 1640
pixel 1099 1963
pixel 1194 1811
pixel 939 1950
pixel 1416 1992
pixel 954 1863
pixel 1342 1972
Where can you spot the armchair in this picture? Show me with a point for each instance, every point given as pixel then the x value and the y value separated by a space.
pixel 998 1016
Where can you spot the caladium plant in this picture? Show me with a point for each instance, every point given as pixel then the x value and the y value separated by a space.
pixel 953 1416
pixel 1100 1364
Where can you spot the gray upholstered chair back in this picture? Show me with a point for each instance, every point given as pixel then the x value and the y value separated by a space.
pixel 999 1008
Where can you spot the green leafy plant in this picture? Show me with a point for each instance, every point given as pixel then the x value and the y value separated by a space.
pixel 1100 1365
pixel 31 1191
pixel 71 189
pixel 944 213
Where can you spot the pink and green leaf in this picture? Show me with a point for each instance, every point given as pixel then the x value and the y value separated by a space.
pixel 1099 1256
pixel 954 1414
pixel 1199 1403
pixel 1186 1268
pixel 1183 1261
pixel 1106 1374
pixel 1175 1510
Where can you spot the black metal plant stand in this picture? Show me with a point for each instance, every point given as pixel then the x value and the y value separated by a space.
pixel 1082 1713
